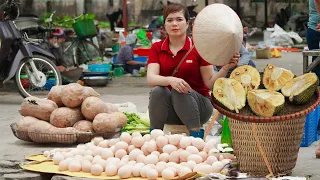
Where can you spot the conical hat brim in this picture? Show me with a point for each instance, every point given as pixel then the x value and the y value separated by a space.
pixel 217 34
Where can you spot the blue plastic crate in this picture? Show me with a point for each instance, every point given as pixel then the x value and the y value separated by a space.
pixel 138 58
pixel 114 59
pixel 141 58
pixel 310 129
pixel 49 84
pixel 99 67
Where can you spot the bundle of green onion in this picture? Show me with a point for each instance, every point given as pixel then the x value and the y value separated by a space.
pixel 136 124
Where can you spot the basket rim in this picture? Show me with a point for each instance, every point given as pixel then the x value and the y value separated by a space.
pixel 260 119
pixel 15 131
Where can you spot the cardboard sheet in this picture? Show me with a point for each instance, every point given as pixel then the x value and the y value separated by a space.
pixel 39 163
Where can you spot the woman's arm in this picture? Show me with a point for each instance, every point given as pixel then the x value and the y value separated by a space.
pixel 209 76
pixel 153 77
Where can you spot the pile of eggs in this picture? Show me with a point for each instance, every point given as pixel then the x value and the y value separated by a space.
pixel 150 156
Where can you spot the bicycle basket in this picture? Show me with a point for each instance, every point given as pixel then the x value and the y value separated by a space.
pixel 85 28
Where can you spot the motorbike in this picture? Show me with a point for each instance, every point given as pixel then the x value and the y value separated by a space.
pixel 22 59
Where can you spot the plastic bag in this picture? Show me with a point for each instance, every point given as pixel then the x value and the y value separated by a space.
pixel 127 107
pixel 121 39
pixel 275 53
pixel 281 37
pixel 226 133
pixel 142 34
pixel 143 39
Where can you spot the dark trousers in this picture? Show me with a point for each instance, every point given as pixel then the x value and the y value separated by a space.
pixel 313 40
pixel 171 107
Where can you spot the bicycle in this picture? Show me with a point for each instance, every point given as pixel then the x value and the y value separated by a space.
pixel 83 50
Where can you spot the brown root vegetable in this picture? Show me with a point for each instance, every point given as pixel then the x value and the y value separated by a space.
pixel 83 126
pixel 92 106
pixel 111 108
pixel 44 132
pixel 72 95
pixel 85 131
pixel 105 122
pixel 25 122
pixel 38 108
pixel 65 117
pixel 55 94
pixel 23 125
pixel 89 91
pixel 121 118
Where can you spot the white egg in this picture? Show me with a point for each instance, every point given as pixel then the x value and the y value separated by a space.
pixel 111 170
pixel 96 169
pixel 184 170
pixel 161 141
pixel 125 137
pixel 134 153
pixel 57 158
pixel 151 159
pixel 156 133
pixel 168 173
pixel 125 171
pixel 152 174
pixel 169 148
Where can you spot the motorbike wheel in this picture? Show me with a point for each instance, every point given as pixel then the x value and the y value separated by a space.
pixel 29 85
pixel 87 51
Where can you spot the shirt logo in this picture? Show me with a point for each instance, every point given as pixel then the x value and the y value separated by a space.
pixel 189 61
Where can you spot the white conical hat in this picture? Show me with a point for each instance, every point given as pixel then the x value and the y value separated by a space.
pixel 217 33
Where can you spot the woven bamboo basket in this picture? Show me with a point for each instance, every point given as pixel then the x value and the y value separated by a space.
pixel 78 137
pixel 268 146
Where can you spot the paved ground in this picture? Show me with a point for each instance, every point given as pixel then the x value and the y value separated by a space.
pixel 120 90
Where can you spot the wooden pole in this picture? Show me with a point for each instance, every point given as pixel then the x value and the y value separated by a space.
pixel 125 19
pixel 266 13
pixel 238 8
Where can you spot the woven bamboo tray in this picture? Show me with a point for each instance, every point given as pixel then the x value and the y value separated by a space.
pixel 78 137
pixel 268 146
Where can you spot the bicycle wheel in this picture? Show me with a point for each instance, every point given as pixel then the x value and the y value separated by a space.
pixel 87 51
pixel 27 82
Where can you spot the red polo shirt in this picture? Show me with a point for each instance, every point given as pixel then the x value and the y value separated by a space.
pixel 189 70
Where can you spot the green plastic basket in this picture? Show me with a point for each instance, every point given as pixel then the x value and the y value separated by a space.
pixel 85 28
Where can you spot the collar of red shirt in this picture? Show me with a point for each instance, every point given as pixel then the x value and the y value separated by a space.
pixel 165 44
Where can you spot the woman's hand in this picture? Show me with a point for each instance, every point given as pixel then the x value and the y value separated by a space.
pixel 179 85
pixel 318 27
pixel 232 63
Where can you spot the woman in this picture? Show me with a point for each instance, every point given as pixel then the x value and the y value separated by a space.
pixel 184 97
pixel 126 56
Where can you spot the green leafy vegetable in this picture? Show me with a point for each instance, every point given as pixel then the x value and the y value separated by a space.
pixel 136 124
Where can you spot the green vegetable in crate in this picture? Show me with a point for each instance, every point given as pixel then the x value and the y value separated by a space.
pixel 136 124
pixel 274 78
pixel 265 103
pixel 300 89
pixel 248 76
pixel 230 93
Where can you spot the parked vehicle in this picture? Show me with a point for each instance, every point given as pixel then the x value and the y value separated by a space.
pixel 22 59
